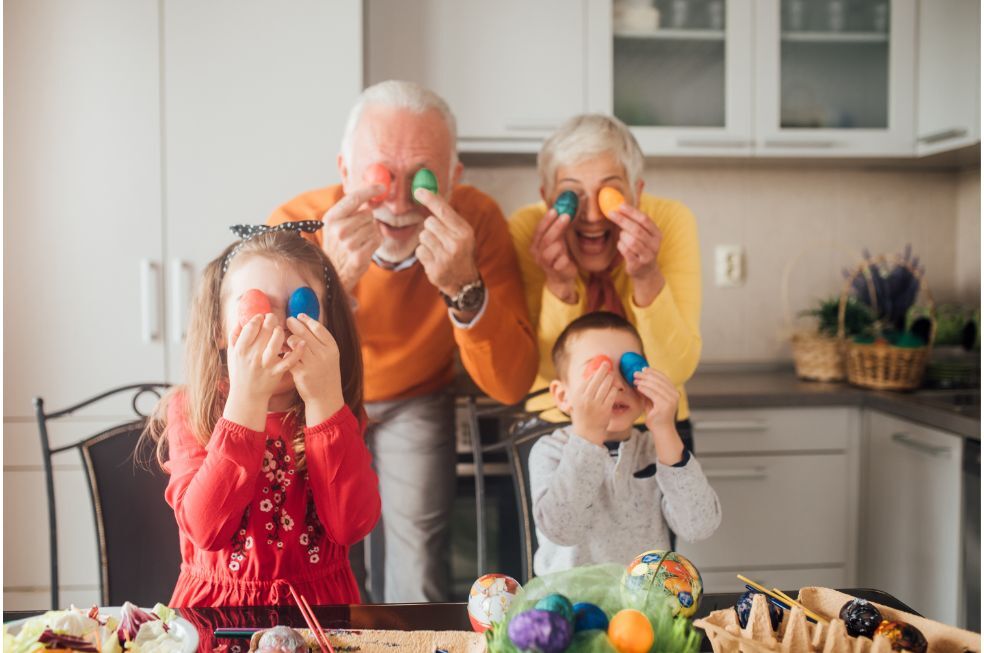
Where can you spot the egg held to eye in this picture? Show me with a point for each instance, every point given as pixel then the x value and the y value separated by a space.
pixel 596 363
pixel 566 203
pixel 253 302
pixel 423 179
pixel 379 175
pixel 303 300
pixel 609 199
pixel 629 364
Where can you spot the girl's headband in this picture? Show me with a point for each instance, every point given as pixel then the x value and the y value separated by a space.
pixel 247 232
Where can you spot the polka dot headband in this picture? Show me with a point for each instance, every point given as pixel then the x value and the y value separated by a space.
pixel 247 232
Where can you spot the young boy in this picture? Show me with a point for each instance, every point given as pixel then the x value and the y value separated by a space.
pixel 603 491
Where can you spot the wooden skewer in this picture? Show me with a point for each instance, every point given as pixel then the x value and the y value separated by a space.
pixel 311 621
pixel 784 598
pixel 806 610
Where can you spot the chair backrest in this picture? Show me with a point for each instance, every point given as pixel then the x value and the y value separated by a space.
pixel 138 545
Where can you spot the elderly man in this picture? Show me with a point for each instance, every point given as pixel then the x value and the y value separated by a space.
pixel 428 273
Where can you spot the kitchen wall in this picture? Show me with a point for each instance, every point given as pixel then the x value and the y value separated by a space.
pixel 811 218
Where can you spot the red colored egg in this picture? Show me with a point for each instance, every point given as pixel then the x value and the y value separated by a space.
pixel 378 174
pixel 253 302
pixel 595 363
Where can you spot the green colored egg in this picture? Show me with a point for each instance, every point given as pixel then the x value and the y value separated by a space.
pixel 423 179
pixel 557 603
pixel 566 203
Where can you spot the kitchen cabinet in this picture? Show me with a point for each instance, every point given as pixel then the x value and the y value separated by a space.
pixel 511 71
pixel 787 481
pixel 136 133
pixel 835 78
pixel 948 75
pixel 911 507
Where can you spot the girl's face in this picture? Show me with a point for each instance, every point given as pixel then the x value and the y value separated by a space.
pixel 592 238
pixel 277 279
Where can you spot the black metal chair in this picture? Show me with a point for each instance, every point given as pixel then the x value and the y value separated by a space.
pixel 139 553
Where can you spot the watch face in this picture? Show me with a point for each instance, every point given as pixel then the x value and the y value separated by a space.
pixel 471 299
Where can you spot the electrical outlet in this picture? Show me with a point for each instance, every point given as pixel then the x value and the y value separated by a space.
pixel 729 266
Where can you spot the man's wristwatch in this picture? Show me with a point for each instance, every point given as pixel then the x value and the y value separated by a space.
pixel 469 299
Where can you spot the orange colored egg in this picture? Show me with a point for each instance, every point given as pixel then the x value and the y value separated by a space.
pixel 378 174
pixel 253 302
pixel 595 363
pixel 630 632
pixel 609 200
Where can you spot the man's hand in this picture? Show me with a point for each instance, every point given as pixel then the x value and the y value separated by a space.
pixel 639 243
pixel 549 251
pixel 352 235
pixel 447 246
pixel 592 407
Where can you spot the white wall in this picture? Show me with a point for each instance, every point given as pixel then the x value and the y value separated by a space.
pixel 969 235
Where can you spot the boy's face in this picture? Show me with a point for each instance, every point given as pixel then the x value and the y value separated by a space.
pixel 581 350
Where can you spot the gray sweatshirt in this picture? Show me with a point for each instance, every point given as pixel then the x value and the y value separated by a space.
pixel 590 507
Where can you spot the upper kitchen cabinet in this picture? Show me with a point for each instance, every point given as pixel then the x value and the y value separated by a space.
pixel 680 74
pixel 948 75
pixel 511 70
pixel 835 77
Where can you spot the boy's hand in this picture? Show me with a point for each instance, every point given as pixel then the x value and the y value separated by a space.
pixel 592 408
pixel 317 375
pixel 662 397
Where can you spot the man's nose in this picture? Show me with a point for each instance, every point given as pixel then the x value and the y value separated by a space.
pixel 400 201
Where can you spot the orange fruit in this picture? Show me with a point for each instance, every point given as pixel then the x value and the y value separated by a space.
pixel 630 632
pixel 609 200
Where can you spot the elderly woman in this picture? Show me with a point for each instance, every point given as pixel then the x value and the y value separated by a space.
pixel 642 261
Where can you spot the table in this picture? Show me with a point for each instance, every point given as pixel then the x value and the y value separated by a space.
pixel 405 616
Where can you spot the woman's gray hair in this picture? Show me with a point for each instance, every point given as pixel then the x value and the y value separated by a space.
pixel 583 137
pixel 400 94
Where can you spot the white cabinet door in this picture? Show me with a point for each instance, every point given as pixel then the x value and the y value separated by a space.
pixel 255 100
pixel 835 78
pixel 949 75
pixel 911 506
pixel 511 70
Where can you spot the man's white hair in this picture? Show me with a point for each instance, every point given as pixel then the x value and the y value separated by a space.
pixel 399 94
pixel 586 136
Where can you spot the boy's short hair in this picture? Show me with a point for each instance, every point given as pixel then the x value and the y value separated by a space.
pixel 587 322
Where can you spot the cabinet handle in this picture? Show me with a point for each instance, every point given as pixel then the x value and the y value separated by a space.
pixel 908 441
pixel 732 425
pixel 181 286
pixel 711 142
pixel 801 143
pixel 150 300
pixel 747 474
pixel 944 135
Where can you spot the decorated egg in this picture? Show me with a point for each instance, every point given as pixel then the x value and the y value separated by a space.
pixel 423 179
pixel 253 302
pixel 489 598
pixel 379 175
pixel 595 363
pixel 631 632
pixel 588 616
pixel 744 608
pixel 540 631
pixel 903 636
pixel 860 618
pixel 303 300
pixel 609 199
pixel 629 364
pixel 566 203
pixel 667 572
pixel 557 603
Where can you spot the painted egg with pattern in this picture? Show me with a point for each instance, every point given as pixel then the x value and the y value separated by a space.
pixel 489 598
pixel 303 300
pixel 902 636
pixel 253 302
pixel 566 203
pixel 663 573
pixel 860 618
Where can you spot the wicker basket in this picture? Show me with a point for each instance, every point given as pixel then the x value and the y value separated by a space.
pixel 879 365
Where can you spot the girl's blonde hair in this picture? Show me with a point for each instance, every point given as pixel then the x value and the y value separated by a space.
pixel 207 388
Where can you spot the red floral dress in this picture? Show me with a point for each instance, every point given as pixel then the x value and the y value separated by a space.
pixel 249 519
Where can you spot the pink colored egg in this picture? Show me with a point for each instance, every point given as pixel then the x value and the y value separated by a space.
pixel 253 302
pixel 596 363
pixel 378 174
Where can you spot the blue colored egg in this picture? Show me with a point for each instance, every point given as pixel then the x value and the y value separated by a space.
pixel 557 603
pixel 303 300
pixel 566 203
pixel 629 364
pixel 588 616
pixel 540 631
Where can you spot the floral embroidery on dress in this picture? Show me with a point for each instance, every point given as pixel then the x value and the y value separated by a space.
pixel 313 532
pixel 240 542
pixel 276 468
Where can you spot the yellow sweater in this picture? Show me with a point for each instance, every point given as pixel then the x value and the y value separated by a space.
pixel 669 326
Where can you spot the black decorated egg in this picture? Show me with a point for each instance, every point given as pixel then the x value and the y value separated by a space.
pixel 744 608
pixel 860 618
pixel 903 636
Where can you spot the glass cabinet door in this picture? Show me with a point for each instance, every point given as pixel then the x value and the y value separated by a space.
pixel 681 73
pixel 836 76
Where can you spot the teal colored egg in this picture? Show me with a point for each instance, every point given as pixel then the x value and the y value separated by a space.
pixel 566 203
pixel 629 364
pixel 588 616
pixel 303 300
pixel 423 179
pixel 557 603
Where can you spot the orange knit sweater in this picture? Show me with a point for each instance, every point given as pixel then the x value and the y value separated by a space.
pixel 408 340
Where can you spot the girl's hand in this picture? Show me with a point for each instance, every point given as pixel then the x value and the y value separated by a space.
pixel 255 369
pixel 639 243
pixel 549 251
pixel 317 375
pixel 592 408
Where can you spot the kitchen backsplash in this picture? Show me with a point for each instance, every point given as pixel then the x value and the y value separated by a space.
pixel 817 216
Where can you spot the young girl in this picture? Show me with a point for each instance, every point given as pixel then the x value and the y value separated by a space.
pixel 271 479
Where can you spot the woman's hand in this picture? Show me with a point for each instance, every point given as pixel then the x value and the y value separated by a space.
pixel 317 375
pixel 592 407
pixel 549 250
pixel 639 243
pixel 255 369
